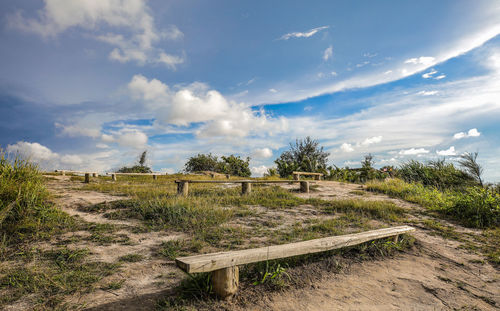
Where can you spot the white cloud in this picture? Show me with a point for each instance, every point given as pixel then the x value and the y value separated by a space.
pixel 33 151
pixel 346 147
pixel 449 152
pixel 170 61
pixel 71 159
pixel 79 129
pixel 101 20
pixel 273 90
pixel 422 60
pixel 440 77
pixel 262 153
pixel 102 146
pixel 258 170
pixel 131 138
pixel 471 133
pixel 388 72
pixel 306 34
pixel 308 108
pixel 429 74
pixel 413 151
pixel 371 140
pixel 195 103
pixel 427 93
pixel 333 73
pixel 327 54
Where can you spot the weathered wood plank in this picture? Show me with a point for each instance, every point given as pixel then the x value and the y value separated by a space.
pixel 307 173
pixel 236 181
pixel 216 261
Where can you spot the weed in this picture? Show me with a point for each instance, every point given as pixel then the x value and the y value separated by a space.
pixel 131 258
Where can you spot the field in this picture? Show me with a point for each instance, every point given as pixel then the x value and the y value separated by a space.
pixel 115 250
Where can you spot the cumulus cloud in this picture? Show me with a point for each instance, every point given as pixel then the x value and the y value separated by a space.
pixel 422 60
pixel 127 25
pixel 75 130
pixel 196 103
pixel 448 152
pixel 346 147
pixel 427 93
pixel 471 133
pixel 305 34
pixel 262 153
pixel 32 151
pixel 413 151
pixel 327 54
pixel 258 170
pixel 371 140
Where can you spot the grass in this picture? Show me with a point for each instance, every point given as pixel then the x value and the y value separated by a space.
pixel 473 206
pixel 131 258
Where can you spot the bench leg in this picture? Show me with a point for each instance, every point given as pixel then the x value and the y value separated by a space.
pixel 317 177
pixel 113 177
pixel 63 173
pixel 246 188
pixel 94 174
pixel 296 176
pixel 225 281
pixel 183 188
pixel 396 237
pixel 87 178
pixel 304 186
pixel 155 177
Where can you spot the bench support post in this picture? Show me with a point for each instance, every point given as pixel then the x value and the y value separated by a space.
pixel 94 174
pixel 246 188
pixel 183 188
pixel 87 178
pixel 317 177
pixel 296 177
pixel 155 177
pixel 113 177
pixel 225 281
pixel 63 173
pixel 304 186
pixel 396 237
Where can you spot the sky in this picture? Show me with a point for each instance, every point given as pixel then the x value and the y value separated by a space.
pixel 91 84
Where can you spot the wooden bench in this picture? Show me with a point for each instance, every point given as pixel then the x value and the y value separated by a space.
pixel 155 175
pixel 63 172
pixel 296 175
pixel 224 265
pixel 246 185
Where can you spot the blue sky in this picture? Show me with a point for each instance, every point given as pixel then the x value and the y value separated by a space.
pixel 90 84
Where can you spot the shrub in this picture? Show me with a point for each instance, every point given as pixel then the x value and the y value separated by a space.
pixel 202 162
pixel 140 168
pixel 233 165
pixel 305 155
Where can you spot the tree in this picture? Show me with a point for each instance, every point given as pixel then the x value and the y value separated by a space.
pixel 202 162
pixel 305 155
pixel 368 162
pixel 469 163
pixel 234 165
pixel 141 168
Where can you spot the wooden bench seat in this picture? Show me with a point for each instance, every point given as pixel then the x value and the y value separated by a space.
pixel 246 185
pixel 296 175
pixel 155 175
pixel 224 265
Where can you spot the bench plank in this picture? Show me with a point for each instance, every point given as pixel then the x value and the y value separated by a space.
pixel 221 260
pixel 236 181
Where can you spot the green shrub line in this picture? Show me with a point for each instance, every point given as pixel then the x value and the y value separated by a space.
pixel 473 206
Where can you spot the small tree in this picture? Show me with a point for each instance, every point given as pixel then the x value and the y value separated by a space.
pixel 469 163
pixel 234 165
pixel 202 162
pixel 305 155
pixel 141 168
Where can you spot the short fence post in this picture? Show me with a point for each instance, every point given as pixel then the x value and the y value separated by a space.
pixel 225 281
pixel 246 188
pixel 396 237
pixel 63 173
pixel 296 176
pixel 113 177
pixel 87 178
pixel 228 176
pixel 155 177
pixel 94 174
pixel 304 186
pixel 317 177
pixel 183 188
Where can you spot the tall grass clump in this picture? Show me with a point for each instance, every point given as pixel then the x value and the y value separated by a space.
pixel 473 206
pixel 24 208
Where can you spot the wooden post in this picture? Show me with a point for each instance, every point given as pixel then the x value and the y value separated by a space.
pixel 94 174
pixel 87 178
pixel 246 188
pixel 396 238
pixel 228 176
pixel 113 177
pixel 304 186
pixel 183 188
pixel 296 176
pixel 63 173
pixel 317 177
pixel 155 177
pixel 225 281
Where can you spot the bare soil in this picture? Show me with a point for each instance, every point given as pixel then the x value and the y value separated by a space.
pixel 437 275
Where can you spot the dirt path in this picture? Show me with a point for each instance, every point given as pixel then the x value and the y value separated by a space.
pixel 437 276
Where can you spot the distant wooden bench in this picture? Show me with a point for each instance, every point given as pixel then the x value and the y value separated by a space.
pixel 246 185
pixel 296 175
pixel 155 175
pixel 224 265
pixel 87 174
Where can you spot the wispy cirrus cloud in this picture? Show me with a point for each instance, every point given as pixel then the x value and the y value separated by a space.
pixel 305 34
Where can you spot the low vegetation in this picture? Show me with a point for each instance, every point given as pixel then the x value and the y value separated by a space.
pixel 232 165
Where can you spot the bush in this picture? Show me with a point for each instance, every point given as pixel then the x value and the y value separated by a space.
pixel 306 156
pixel 437 174
pixel 24 208
pixel 233 165
pixel 140 168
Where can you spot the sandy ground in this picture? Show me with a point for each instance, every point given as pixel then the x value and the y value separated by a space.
pixel 437 276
